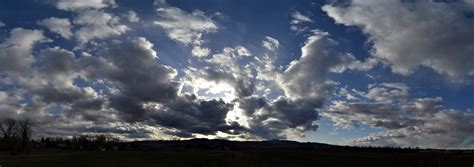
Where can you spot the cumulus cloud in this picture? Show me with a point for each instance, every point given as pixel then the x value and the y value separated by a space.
pixel 280 119
pixel 306 77
pixel 92 20
pixel 122 86
pixel 137 90
pixel 61 26
pixel 303 83
pixel 186 28
pixel 15 52
pixel 97 24
pixel 403 37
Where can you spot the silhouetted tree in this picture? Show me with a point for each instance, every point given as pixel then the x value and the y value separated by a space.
pixel 25 133
pixel 8 127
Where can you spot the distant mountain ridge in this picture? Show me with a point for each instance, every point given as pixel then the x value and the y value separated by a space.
pixel 227 144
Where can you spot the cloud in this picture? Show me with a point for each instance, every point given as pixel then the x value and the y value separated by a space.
pixel 297 20
pixel 303 82
pixel 186 28
pixel 136 76
pixel 198 51
pixel 242 51
pixel 132 17
pixel 15 52
pixel 445 129
pixel 2 24
pixel 406 121
pixel 191 116
pixel 306 77
pixel 121 85
pixel 74 5
pixel 281 119
pixel 61 26
pixel 97 24
pixel 271 44
pixel 403 37
pixel 92 20
pixel 224 68
pixel 388 92
pixel 144 92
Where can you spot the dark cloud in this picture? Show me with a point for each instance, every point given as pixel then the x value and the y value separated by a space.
pixel 191 116
pixel 271 120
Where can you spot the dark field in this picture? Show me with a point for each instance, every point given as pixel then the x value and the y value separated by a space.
pixel 238 158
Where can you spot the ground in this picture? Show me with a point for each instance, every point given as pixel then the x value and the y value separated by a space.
pixel 247 158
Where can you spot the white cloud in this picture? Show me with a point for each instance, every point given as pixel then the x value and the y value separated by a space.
pixel 132 16
pixel 297 20
pixel 2 24
pixel 92 20
pixel 62 26
pixel 306 77
pixel 199 51
pixel 181 26
pixel 242 51
pixel 15 52
pixel 271 44
pixel 404 38
pixel 72 5
pixel 97 24
pixel 388 92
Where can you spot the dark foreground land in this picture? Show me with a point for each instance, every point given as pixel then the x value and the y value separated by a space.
pixel 149 154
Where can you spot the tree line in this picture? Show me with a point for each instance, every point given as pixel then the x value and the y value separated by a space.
pixel 15 135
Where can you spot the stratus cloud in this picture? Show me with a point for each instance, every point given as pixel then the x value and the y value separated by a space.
pixel 61 26
pixel 184 27
pixel 407 121
pixel 404 38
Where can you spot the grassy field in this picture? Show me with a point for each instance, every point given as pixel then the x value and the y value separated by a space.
pixel 248 158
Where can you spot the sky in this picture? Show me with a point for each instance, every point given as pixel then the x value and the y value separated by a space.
pixel 348 72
